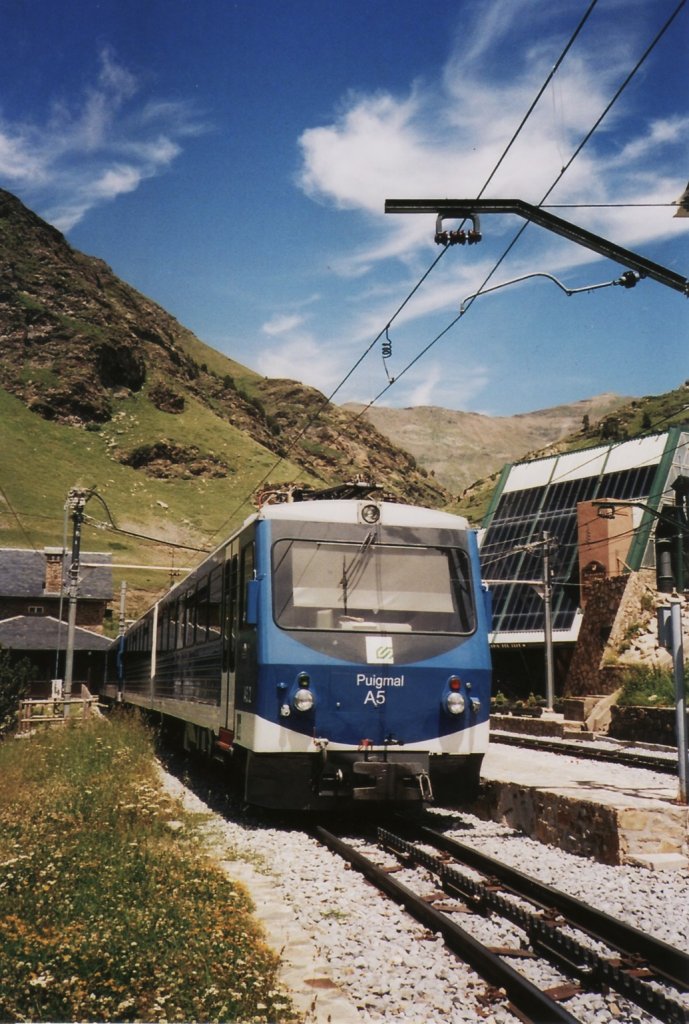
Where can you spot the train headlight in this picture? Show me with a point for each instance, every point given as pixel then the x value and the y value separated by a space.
pixel 370 514
pixel 454 703
pixel 303 699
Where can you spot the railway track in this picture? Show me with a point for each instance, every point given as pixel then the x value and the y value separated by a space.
pixel 590 950
pixel 578 748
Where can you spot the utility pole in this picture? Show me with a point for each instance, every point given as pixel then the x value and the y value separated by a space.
pixel 670 637
pixel 677 651
pixel 76 501
pixel 544 589
pixel 548 544
pixel 120 640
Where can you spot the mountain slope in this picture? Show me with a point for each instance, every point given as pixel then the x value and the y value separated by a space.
pixel 101 388
pixel 459 447
pixel 77 342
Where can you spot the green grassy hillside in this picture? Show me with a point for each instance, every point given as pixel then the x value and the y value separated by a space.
pixel 41 461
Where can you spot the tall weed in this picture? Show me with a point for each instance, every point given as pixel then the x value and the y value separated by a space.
pixel 106 913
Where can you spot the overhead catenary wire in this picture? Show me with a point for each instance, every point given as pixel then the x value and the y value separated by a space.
pixel 661 32
pixel 327 399
pixel 316 414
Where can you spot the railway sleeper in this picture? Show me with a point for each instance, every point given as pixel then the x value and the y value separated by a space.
pixel 545 938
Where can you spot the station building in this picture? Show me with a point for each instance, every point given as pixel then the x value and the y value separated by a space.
pixel 33 613
pixel 591 521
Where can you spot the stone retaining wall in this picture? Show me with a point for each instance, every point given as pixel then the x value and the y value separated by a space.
pixel 609 834
pixel 644 725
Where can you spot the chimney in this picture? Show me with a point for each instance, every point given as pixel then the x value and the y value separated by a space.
pixel 603 544
pixel 53 570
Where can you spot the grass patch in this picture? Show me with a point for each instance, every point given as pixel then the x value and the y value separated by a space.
pixel 106 912
pixel 647 687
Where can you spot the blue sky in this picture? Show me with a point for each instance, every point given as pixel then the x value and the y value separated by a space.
pixel 231 160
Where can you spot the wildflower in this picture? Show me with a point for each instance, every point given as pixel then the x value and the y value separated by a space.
pixel 41 980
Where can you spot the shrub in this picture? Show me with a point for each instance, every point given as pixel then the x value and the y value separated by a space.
pixel 14 685
pixel 647 686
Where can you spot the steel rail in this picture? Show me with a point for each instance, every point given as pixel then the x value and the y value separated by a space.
pixel 525 996
pixel 574 748
pixel 666 961
pixel 546 937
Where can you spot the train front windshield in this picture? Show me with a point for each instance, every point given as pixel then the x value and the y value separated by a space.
pixel 371 587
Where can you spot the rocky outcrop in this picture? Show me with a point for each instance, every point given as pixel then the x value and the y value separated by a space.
pixel 75 340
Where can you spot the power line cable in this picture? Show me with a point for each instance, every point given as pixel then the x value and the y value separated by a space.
pixel 18 521
pixel 326 400
pixel 524 226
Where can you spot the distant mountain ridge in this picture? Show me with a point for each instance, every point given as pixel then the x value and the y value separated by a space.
pixel 101 388
pixel 458 448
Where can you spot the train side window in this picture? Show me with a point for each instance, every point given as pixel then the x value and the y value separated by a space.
pixel 229 625
pixel 162 626
pixel 247 573
pixel 202 612
pixel 190 633
pixel 214 603
pixel 181 619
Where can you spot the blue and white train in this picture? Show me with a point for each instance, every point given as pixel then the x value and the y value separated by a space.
pixel 332 650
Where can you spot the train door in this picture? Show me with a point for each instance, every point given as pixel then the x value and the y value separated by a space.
pixel 229 636
pixel 246 633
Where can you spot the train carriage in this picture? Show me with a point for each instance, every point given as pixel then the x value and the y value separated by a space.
pixel 333 650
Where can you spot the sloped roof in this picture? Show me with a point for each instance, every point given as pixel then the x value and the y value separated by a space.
pixel 538 499
pixel 44 633
pixel 22 574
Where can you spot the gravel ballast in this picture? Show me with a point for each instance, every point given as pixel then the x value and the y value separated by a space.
pixel 352 955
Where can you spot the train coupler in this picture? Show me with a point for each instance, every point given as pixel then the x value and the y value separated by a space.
pixel 392 781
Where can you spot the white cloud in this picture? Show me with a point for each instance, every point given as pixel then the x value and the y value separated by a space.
pixel 282 323
pixel 444 137
pixel 91 150
pixel 452 390
pixel 301 357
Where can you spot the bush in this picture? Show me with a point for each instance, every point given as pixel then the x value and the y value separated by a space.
pixel 647 687
pixel 14 685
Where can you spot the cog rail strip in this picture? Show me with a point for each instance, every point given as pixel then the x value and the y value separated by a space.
pixel 642 957
pixel 536 1005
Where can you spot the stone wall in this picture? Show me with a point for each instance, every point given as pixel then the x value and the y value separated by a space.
pixel 608 833
pixel 602 606
pixel 644 725
pixel 619 629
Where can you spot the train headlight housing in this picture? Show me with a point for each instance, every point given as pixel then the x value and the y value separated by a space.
pixel 454 700
pixel 303 699
pixel 370 514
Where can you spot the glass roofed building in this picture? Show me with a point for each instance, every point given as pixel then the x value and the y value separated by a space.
pixel 586 514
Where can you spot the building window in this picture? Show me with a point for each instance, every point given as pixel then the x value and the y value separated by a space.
pixel 36 609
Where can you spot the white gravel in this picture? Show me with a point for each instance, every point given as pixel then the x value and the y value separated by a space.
pixel 390 968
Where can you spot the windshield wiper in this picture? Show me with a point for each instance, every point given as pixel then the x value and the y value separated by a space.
pixel 349 581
